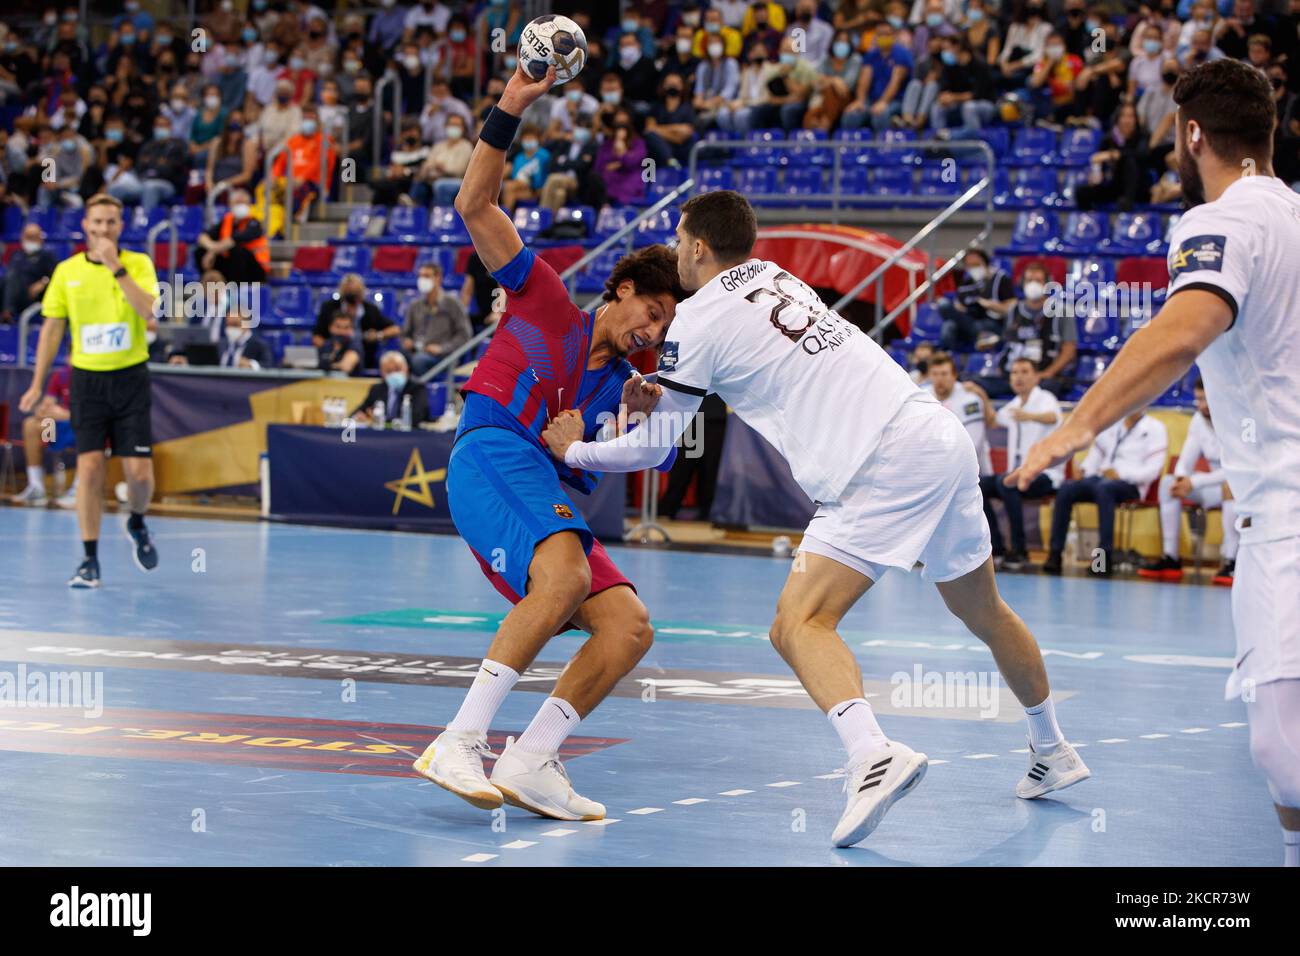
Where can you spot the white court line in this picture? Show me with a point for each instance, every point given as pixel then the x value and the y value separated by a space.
pixel 830 776
pixel 1114 740
pixel 734 793
pixel 519 845
pixel 558 832
pixel 1196 730
pixel 603 822
pixel 478 857
pixel 646 810
pixel 785 783
pixel 690 801
pixel 1233 724
pixel 935 762
pixel 1021 750
pixel 978 756
pixel 1154 736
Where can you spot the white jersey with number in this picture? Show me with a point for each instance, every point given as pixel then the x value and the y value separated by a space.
pixel 807 380
pixel 1245 248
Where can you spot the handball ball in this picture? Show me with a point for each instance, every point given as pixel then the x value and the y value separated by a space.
pixel 553 41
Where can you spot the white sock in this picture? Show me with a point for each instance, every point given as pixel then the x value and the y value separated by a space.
pixel 1044 734
pixel 36 476
pixel 485 695
pixel 1291 844
pixel 855 722
pixel 555 720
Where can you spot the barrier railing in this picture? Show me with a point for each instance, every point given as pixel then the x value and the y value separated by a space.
pixel 268 187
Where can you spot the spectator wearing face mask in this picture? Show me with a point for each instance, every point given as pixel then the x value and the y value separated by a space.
pixel 1025 43
pixel 680 61
pixel 337 349
pixel 27 273
pixel 435 324
pixel 438 178
pixel 396 385
pixel 361 125
pixel 576 107
pixel 816 32
pixel 878 96
pixel 179 111
pixel 638 74
pixel 427 13
pixel 718 96
pixel 833 88
pixel 206 125
pixel 1050 341
pixel 161 169
pixel 395 181
pixel 978 306
pixel 934 25
pixel 70 156
pixel 789 88
pixel 619 158
pixel 317 52
pixel 411 78
pixel 236 246
pixel 352 303
pixel 1120 168
pixel 1148 58
pixel 241 347
pixel 1053 81
pixel 304 151
pixel 761 29
pixel 528 169
pixel 573 157
pixel 670 127
pixel 711 26
pixel 461 51
pixel 279 119
pixel 964 104
pixel 441 107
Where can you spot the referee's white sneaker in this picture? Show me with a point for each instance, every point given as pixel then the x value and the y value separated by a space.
pixel 31 495
pixel 1051 770
pixel 882 778
pixel 539 782
pixel 454 761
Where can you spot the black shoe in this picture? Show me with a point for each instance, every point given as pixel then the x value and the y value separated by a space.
pixel 144 553
pixel 1052 565
pixel 87 575
pixel 1225 574
pixel 1163 568
pixel 1014 561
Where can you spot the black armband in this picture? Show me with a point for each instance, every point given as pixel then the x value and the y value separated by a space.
pixel 499 129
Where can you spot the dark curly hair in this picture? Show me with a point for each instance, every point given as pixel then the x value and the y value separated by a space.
pixel 652 270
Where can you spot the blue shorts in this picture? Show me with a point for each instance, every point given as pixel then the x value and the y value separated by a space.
pixel 506 498
pixel 63 436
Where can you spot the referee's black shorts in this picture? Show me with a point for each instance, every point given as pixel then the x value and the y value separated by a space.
pixel 112 407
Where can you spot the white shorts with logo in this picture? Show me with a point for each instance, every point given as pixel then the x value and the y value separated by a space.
pixel 917 498
pixel 1265 614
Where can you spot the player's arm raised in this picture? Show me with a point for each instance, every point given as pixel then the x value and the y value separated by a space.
pixel 495 238
pixel 1154 358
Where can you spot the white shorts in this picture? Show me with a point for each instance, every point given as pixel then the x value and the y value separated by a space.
pixel 1266 613
pixel 917 498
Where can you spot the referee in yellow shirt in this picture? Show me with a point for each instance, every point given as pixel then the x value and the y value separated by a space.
pixel 105 298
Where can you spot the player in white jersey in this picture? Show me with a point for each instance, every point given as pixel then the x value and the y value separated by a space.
pixel 1205 488
pixel 967 401
pixel 893 472
pixel 1234 309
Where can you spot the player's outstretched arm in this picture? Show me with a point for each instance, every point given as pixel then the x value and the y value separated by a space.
pixel 645 446
pixel 494 236
pixel 1153 359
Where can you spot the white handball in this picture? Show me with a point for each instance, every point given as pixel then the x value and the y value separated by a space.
pixel 553 41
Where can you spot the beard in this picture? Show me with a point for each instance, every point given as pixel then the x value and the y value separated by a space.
pixel 1190 176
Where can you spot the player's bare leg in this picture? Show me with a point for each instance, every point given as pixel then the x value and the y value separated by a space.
pixel 90 509
pixel 559 580
pixel 529 773
pixel 974 599
pixel 878 771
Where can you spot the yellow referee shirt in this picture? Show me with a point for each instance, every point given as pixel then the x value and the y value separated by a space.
pixel 107 333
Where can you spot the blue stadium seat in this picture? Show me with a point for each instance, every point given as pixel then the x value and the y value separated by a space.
pixel 1160 247
pixel 998 138
pixel 760 154
pixel 291 305
pixel 585 215
pixel 406 224
pixel 1031 186
pixel 384 299
pixel 670 176
pixel 657 228
pixel 1098 330
pixel 188 221
pixel 70 226
pixel 940 180
pixel 1002 197
pixel 926 326
pixel 854 156
pixel 758 183
pixel 1132 233
pixel 1064 195
pixel 613 218
pixel 530 221
pixel 1078 144
pixel 712 178
pixel 855 181
pixel 350 259
pixel 9 344
pixel 140 221
pixel 446 226
pixel 892 180
pixel 908 157
pixel 815 154
pixel 1083 231
pixel 1091 269
pixel 1088 369
pixel 1035 232
pixel 443 256
pixel 981 365
pixel 800 182
pixel 12 224
pixel 358 225
pixel 1034 146
pixel 49 220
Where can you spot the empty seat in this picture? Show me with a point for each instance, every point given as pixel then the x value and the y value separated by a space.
pixel 1083 231
pixel 1033 146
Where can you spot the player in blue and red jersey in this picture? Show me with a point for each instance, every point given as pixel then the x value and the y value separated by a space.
pixel 506 492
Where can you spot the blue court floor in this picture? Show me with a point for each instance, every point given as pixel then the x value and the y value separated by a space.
pixel 264 691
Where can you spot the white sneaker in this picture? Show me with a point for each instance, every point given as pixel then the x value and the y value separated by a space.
pixel 454 761
pixel 31 495
pixel 1051 770
pixel 68 499
pixel 539 782
pixel 873 786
